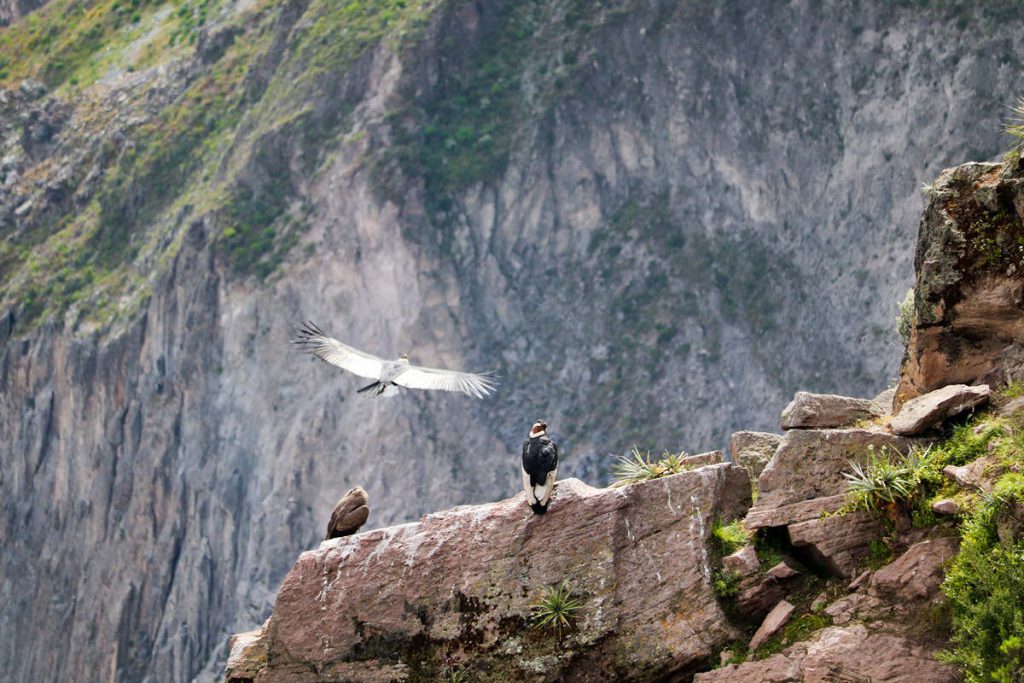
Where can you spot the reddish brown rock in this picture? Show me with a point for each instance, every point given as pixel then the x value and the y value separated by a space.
pixel 927 412
pixel 247 654
pixel 758 593
pixel 809 464
pixel 456 589
pixel 916 574
pixel 946 506
pixel 781 571
pixel 977 475
pixel 839 543
pixel 1012 408
pixel 861 579
pixel 968 313
pixel 814 508
pixel 772 623
pixel 885 400
pixel 851 653
pixel 822 411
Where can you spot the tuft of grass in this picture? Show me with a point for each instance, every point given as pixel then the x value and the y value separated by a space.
pixel 637 467
pixel 557 608
pixel 729 537
pixel 455 675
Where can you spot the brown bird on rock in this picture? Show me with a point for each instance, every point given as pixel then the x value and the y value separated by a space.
pixel 349 514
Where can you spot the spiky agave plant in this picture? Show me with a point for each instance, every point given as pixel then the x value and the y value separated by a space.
pixel 880 483
pixel 637 467
pixel 1016 125
pixel 556 609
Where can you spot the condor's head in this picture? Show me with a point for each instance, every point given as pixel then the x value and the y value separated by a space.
pixel 540 427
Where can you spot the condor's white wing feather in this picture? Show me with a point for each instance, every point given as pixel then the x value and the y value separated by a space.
pixel 330 350
pixel 416 377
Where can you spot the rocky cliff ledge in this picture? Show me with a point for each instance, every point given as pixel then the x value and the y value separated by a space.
pixel 453 592
pixel 455 596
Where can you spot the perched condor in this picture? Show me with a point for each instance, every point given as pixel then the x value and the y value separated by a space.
pixel 349 514
pixel 540 460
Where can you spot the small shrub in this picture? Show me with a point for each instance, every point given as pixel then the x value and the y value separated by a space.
pixel 879 553
pixel 729 537
pixel 638 467
pixel 985 587
pixel 556 609
pixel 725 584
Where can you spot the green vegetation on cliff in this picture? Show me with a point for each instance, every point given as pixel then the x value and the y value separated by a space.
pixel 214 147
pixel 985 583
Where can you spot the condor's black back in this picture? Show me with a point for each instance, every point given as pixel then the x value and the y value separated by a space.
pixel 540 456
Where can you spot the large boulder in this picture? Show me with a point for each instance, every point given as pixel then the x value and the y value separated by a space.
pixel 820 411
pixel 921 414
pixel 455 590
pixel 808 464
pixel 968 313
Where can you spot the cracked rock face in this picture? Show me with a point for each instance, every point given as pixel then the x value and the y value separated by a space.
pixel 457 590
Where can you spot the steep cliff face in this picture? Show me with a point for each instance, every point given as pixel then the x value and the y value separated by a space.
pixel 655 220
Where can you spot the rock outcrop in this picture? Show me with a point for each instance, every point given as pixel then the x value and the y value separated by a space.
pixel 853 653
pixel 457 590
pixel 968 312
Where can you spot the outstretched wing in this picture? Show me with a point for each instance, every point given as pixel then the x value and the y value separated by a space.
pixel 416 377
pixel 330 350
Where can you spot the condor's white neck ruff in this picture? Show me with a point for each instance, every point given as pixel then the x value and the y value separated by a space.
pixel 534 435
